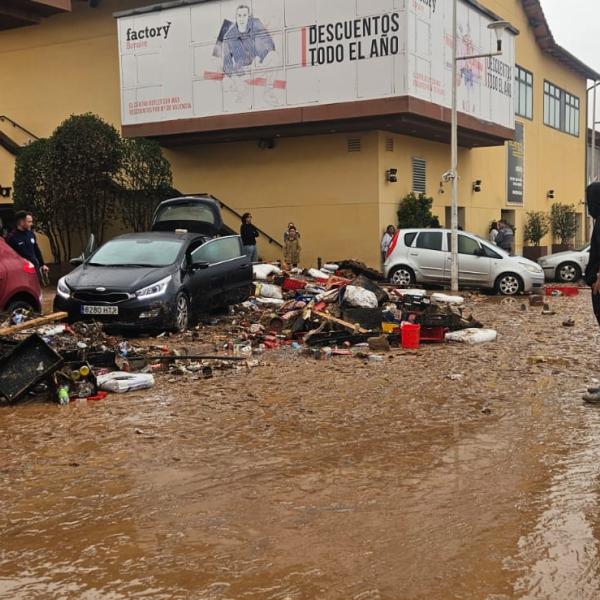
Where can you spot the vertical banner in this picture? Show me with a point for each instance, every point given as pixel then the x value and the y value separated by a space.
pixel 516 166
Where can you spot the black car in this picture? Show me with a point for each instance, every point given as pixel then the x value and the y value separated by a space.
pixel 160 279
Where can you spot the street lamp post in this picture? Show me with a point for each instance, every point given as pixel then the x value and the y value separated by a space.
pixel 498 27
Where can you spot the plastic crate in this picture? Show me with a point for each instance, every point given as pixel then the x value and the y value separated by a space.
pixel 435 335
pixel 564 290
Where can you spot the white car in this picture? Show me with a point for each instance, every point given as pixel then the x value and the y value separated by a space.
pixel 566 267
pixel 423 256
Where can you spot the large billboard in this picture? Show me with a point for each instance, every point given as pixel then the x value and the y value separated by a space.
pixel 225 57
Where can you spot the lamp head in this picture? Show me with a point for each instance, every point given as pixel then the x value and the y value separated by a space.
pixel 499 27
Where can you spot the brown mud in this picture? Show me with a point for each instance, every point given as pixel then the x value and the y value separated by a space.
pixel 451 473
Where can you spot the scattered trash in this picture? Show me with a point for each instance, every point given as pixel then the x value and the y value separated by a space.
pixel 472 336
pixel 120 382
pixel 445 299
pixel 360 297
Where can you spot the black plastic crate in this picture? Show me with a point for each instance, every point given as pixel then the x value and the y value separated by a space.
pixel 25 366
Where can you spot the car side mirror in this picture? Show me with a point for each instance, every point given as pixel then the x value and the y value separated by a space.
pixel 77 261
pixel 200 265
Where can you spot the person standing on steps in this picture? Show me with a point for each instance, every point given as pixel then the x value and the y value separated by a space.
pixel 23 241
pixel 249 234
pixel 592 271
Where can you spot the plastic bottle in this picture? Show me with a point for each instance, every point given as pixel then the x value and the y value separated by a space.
pixel 63 395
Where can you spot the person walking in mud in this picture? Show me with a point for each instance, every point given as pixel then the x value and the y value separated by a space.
pixel 592 271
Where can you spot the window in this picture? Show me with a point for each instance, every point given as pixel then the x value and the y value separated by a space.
pixel 561 109
pixel 430 240
pixel 524 93
pixel 218 250
pixel 466 245
pixel 571 114
pixel 419 175
pixel 409 238
pixel 490 253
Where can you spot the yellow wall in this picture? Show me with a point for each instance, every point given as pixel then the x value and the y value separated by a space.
pixel 340 201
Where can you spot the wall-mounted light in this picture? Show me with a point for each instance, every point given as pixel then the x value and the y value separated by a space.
pixel 266 143
pixel 392 175
pixel 477 185
pixel 550 194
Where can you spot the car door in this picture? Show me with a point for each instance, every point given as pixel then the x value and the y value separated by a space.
pixel 5 259
pixel 429 256
pixel 218 270
pixel 473 269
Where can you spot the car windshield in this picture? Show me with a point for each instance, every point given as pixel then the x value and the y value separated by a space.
pixel 137 253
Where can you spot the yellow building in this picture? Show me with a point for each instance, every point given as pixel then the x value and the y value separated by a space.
pixel 325 165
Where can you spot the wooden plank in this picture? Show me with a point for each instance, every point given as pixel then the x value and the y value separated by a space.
pixel 59 316
pixel 352 326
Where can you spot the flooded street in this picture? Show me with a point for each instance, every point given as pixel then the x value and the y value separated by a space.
pixel 454 472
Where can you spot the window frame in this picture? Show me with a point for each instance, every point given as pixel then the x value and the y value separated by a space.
pixel 569 109
pixel 221 262
pixel 528 87
pixel 421 233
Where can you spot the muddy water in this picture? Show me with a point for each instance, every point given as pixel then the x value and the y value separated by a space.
pixel 452 473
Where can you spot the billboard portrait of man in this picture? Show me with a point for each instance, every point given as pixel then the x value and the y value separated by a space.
pixel 246 45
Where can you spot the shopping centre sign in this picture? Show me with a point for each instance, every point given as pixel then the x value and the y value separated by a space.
pixel 225 57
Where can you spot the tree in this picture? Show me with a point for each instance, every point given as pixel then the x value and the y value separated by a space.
pixel 563 221
pixel 145 180
pixel 415 211
pixel 84 156
pixel 536 227
pixel 32 192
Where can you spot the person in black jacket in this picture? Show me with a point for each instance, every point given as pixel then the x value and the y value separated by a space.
pixel 249 234
pixel 23 241
pixel 592 271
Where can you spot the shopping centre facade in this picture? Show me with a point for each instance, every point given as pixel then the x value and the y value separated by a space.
pixel 301 110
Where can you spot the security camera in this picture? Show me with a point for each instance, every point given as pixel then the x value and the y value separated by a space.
pixel 448 176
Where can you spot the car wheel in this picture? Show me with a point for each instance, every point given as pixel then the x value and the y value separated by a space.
pixel 568 272
pixel 509 284
pixel 181 314
pixel 402 276
pixel 21 305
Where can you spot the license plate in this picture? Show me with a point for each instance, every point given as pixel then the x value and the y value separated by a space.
pixel 99 310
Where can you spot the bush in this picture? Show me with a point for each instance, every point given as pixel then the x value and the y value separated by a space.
pixel 563 222
pixel 145 180
pixel 415 211
pixel 73 180
pixel 536 227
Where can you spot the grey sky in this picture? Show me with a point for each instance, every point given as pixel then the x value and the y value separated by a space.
pixel 574 24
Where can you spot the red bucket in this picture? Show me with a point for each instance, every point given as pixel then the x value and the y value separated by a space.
pixel 411 336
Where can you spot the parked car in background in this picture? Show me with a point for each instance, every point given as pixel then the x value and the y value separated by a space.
pixel 423 256
pixel 19 283
pixel 566 267
pixel 160 279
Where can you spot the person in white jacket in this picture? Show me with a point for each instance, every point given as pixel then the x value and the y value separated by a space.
pixel 386 240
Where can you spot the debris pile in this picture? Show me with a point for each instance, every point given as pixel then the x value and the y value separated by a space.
pixel 342 309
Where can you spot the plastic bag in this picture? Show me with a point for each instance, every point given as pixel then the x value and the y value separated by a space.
pixel 121 382
pixel 317 274
pixel 360 298
pixel 270 291
pixel 472 336
pixel 269 302
pixel 263 272
pixel 445 299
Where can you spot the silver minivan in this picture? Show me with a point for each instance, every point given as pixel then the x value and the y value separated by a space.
pixel 423 256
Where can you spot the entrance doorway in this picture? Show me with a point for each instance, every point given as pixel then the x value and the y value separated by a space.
pixel 461 217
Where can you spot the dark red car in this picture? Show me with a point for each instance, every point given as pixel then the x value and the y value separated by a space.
pixel 19 283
